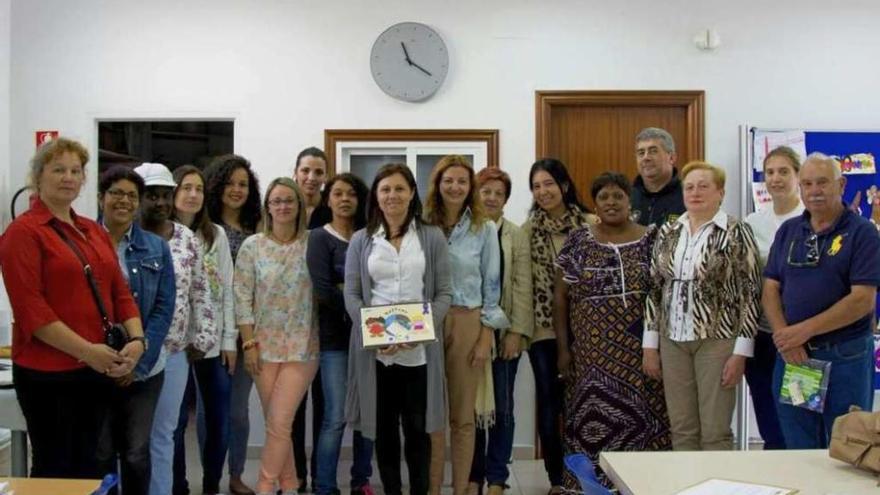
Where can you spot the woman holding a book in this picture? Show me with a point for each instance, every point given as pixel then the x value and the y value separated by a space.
pixel 397 259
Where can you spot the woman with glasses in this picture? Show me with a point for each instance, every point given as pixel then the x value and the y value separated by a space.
pixel 146 263
pixel 701 312
pixel 781 167
pixel 277 320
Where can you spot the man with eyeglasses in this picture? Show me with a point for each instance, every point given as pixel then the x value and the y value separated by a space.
pixel 656 195
pixel 819 295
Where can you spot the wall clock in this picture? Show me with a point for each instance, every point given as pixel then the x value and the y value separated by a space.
pixel 409 61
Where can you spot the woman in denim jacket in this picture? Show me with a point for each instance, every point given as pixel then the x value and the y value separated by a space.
pixel 145 260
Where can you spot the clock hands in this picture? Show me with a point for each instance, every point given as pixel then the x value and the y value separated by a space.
pixel 417 66
pixel 410 62
pixel 405 54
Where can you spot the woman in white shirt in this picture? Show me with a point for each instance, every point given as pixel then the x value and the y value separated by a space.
pixel 781 167
pixel 397 259
pixel 209 374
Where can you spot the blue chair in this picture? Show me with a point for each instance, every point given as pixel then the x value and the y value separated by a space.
pixel 582 468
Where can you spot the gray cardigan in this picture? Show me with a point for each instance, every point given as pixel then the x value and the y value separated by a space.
pixel 360 402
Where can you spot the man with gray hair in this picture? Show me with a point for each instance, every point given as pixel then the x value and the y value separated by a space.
pixel 656 195
pixel 820 286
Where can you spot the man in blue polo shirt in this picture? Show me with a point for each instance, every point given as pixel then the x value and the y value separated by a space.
pixel 820 288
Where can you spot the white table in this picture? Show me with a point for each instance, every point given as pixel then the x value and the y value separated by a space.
pixel 665 473
pixel 12 419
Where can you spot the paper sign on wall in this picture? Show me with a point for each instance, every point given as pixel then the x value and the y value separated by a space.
pixel 760 195
pixel 767 141
pixel 45 136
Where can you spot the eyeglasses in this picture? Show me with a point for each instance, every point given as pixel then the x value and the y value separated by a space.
pixel 118 194
pixel 807 255
pixel 279 202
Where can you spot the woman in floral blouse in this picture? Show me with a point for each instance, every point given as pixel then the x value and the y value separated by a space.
pixel 277 320
pixel 208 373
pixel 192 323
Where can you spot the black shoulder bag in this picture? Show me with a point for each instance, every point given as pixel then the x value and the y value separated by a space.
pixel 115 335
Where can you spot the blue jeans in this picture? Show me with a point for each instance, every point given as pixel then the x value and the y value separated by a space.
pixel 209 385
pixel 850 383
pixel 334 372
pixel 165 422
pixel 491 464
pixel 759 375
pixel 548 388
pixel 239 422
pixel 128 434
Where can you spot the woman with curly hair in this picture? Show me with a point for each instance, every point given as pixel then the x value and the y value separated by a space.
pixel 233 201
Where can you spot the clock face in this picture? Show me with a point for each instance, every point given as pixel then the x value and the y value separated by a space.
pixel 409 61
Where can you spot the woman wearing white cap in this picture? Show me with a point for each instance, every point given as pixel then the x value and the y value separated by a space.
pixel 192 325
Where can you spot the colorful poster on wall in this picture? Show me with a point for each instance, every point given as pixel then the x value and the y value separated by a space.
pixel 857 164
pixel 767 141
pixel 876 361
pixel 397 324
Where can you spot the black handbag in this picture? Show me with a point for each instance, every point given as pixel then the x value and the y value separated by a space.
pixel 115 335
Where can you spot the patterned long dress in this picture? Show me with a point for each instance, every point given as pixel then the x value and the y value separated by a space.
pixel 610 405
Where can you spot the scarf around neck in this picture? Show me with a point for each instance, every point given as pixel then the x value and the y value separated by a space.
pixel 544 256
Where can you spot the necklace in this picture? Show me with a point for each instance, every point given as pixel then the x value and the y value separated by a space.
pixel 282 241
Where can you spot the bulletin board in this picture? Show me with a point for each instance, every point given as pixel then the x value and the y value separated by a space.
pixel 857 150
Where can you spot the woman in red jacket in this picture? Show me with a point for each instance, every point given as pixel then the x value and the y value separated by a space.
pixel 62 369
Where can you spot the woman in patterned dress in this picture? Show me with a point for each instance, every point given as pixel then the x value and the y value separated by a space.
pixel 277 320
pixel 600 289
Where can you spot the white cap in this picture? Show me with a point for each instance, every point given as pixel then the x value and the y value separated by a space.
pixel 155 174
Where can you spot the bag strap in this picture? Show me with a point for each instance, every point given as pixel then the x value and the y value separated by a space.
pixel 87 269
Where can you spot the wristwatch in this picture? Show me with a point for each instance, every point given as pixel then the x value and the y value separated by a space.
pixel 142 340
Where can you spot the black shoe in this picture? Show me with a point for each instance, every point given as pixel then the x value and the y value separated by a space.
pixel 303 487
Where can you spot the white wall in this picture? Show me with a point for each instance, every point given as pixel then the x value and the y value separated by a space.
pixel 286 70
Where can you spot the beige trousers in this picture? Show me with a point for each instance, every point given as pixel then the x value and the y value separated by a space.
pixel 461 332
pixel 700 410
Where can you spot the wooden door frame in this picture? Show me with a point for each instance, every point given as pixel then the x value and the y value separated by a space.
pixel 693 101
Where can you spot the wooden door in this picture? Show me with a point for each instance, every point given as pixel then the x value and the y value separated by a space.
pixel 594 131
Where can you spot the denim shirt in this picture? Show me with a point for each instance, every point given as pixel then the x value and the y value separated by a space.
pixel 150 274
pixel 474 257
